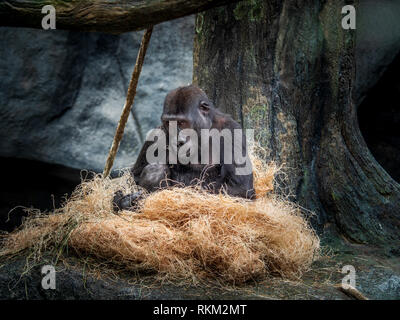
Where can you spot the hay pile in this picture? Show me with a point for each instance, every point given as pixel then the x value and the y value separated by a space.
pixel 181 233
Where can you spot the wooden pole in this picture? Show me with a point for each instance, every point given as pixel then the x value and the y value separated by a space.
pixel 130 97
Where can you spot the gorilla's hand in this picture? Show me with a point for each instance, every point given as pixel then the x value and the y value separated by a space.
pixel 128 202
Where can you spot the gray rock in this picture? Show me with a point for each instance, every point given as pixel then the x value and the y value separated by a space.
pixel 75 284
pixel 61 93
pixel 380 283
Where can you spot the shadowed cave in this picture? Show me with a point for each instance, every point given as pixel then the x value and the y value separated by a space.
pixel 32 184
pixel 379 120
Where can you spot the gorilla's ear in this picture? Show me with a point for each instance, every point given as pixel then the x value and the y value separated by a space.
pixel 204 107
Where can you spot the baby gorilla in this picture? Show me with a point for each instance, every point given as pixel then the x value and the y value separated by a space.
pixel 189 108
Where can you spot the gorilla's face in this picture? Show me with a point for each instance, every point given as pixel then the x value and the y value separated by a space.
pixel 187 110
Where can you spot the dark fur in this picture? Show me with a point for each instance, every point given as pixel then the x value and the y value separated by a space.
pixel 192 106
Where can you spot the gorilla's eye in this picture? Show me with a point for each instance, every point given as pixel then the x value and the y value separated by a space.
pixel 204 106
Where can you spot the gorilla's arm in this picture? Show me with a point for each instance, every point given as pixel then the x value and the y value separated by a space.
pixel 236 184
pixel 148 176
pixel 141 162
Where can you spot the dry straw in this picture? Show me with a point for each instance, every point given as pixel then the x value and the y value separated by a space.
pixel 180 233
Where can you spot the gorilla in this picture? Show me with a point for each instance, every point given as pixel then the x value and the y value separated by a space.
pixel 188 107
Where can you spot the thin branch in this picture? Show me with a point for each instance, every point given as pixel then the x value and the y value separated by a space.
pixel 130 97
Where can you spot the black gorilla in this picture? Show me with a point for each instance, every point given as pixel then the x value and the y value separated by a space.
pixel 189 108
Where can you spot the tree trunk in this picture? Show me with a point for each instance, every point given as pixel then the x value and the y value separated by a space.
pixel 101 15
pixel 287 68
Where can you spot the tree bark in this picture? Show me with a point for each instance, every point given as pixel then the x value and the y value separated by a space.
pixel 287 68
pixel 101 15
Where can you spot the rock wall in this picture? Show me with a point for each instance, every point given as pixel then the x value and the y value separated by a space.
pixel 377 89
pixel 61 93
pixel 61 96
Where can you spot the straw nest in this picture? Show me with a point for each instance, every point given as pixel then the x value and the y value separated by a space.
pixel 180 233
